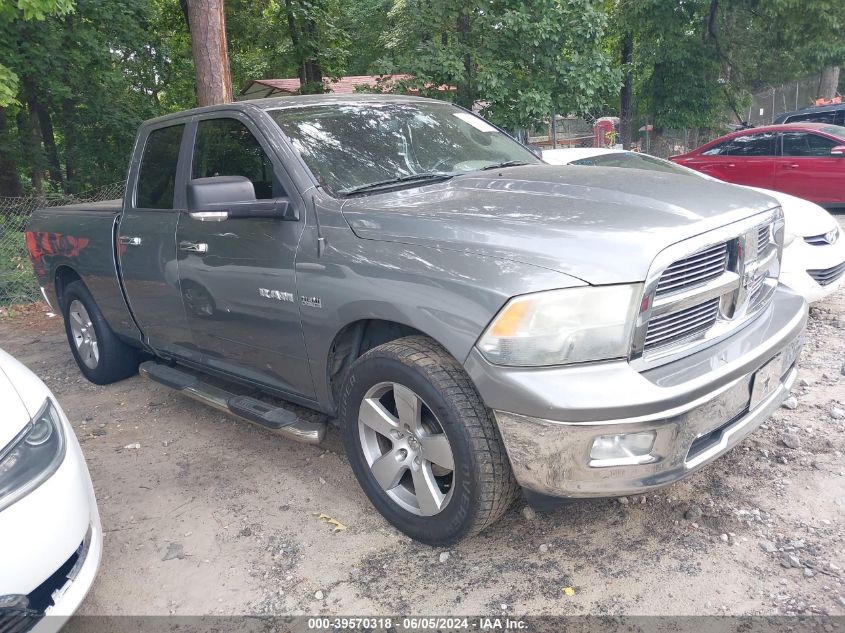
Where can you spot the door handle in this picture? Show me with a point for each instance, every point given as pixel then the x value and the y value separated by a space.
pixel 731 165
pixel 128 240
pixel 193 247
pixel 793 165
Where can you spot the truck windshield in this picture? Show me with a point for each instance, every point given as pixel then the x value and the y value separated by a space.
pixel 367 147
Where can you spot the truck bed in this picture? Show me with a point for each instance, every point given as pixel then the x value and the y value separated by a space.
pixel 80 238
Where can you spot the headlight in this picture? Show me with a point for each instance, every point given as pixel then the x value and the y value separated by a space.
pixel 32 456
pixel 563 326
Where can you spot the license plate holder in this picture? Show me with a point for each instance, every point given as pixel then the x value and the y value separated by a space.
pixel 765 381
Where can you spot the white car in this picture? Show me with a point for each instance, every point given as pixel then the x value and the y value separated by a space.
pixel 813 254
pixel 51 540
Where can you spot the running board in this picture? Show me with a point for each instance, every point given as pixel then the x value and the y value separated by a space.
pixel 276 419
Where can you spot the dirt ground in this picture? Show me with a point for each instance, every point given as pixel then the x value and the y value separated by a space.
pixel 207 514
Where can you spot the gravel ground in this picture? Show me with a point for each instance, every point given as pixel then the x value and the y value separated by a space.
pixel 206 514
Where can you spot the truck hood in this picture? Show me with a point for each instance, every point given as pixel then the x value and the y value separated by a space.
pixel 601 225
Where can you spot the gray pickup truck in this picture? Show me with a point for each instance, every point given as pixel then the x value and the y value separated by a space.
pixel 478 322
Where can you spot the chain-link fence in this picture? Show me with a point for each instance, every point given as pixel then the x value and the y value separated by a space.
pixel 766 105
pixel 570 132
pixel 17 282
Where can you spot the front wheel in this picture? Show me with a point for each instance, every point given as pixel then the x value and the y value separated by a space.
pixel 422 444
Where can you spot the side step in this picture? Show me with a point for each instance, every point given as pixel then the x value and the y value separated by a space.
pixel 277 419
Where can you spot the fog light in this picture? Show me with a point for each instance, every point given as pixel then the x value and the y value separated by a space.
pixel 623 449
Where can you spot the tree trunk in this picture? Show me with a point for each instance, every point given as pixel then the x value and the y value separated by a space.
pixel 466 94
pixel 69 127
pixel 304 42
pixel 625 93
pixel 31 146
pixel 10 182
pixel 313 71
pixel 828 82
pixel 208 44
pixel 45 125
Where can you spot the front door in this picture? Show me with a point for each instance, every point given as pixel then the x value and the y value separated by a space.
pixel 237 275
pixel 146 240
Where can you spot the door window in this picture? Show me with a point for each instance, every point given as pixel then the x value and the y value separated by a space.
pixel 157 174
pixel 806 144
pixel 745 145
pixel 226 147
pixel 752 145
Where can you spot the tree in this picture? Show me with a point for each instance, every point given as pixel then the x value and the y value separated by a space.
pixel 319 42
pixel 207 25
pixel 828 82
pixel 521 60
pixel 24 11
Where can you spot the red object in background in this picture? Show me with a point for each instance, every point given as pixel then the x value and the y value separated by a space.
pixel 604 131
pixel 803 159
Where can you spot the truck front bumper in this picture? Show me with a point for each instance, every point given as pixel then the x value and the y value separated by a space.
pixel 696 408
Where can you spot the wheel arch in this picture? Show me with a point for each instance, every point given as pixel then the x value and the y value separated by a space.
pixel 355 339
pixel 64 276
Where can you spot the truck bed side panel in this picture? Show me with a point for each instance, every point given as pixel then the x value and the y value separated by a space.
pixel 81 237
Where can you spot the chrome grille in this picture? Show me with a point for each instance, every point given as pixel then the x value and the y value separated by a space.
pixel 696 297
pixel 695 270
pixel 826 276
pixel 755 288
pixel 764 238
pixel 677 326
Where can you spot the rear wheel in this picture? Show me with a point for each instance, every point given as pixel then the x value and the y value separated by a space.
pixel 422 444
pixel 102 357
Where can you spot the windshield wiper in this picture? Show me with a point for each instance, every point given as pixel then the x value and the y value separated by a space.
pixel 507 163
pixel 436 176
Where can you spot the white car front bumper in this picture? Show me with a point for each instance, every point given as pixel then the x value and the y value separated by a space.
pixel 805 264
pixel 51 540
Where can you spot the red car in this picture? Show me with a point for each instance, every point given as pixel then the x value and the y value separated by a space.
pixel 804 159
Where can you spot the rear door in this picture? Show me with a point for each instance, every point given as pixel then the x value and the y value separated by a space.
pixel 806 169
pixel 237 275
pixel 146 241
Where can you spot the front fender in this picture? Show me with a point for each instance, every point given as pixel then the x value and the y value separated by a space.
pixel 450 296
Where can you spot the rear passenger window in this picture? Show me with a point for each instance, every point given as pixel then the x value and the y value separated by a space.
pixel 157 175
pixel 226 147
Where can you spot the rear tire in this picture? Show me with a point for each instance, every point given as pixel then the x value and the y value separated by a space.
pixel 101 356
pixel 422 444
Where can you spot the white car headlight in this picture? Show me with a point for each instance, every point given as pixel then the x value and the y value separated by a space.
pixel 556 327
pixel 32 457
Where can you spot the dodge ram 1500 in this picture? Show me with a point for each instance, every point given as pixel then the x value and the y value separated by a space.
pixel 478 322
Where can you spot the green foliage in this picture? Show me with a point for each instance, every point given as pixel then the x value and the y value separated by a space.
pixel 94 70
pixel 24 11
pixel 522 60
pixel 33 9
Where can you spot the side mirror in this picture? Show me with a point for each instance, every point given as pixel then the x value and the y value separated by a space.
pixel 217 191
pixel 837 150
pixel 535 149
pixel 220 198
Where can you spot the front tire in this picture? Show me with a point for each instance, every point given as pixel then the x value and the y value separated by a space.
pixel 422 444
pixel 101 356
